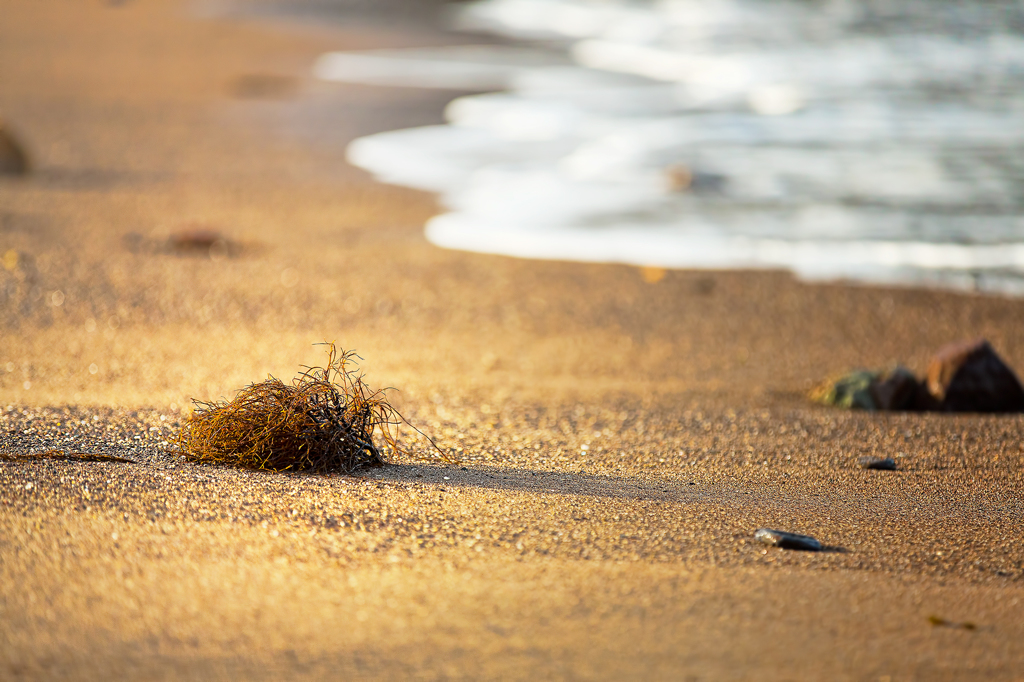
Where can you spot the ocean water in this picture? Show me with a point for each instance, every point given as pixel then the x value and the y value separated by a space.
pixel 873 141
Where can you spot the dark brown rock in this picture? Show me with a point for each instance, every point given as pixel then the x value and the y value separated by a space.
pixel 923 400
pixel 970 377
pixel 895 390
pixel 13 159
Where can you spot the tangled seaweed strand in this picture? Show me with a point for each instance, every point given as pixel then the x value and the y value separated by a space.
pixel 324 421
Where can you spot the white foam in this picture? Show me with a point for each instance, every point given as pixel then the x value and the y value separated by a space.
pixel 723 134
pixel 690 247
pixel 459 67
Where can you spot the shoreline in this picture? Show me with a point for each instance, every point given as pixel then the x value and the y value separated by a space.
pixel 533 557
pixel 612 144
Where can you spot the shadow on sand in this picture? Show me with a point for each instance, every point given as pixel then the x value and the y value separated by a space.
pixel 552 482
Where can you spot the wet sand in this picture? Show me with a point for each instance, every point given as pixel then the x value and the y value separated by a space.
pixel 620 440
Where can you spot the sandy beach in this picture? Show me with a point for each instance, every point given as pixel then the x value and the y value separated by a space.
pixel 620 439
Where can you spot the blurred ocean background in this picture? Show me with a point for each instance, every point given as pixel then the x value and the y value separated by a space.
pixel 871 141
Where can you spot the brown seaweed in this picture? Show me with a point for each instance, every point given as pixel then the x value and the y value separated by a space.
pixel 325 420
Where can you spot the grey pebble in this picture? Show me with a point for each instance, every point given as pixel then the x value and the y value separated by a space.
pixel 780 538
pixel 886 463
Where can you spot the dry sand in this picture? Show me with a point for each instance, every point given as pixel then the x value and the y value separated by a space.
pixel 620 440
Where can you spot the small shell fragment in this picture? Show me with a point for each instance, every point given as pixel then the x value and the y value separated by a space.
pixel 780 538
pixel 885 463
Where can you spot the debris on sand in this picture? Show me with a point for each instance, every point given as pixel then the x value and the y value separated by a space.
pixel 786 540
pixel 938 622
pixel 324 421
pixel 191 240
pixel 201 241
pixel 13 159
pixel 967 376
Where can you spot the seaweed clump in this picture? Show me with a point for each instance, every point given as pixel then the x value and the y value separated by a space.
pixel 324 421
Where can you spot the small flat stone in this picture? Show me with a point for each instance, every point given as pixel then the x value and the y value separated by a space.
pixel 785 540
pixel 885 463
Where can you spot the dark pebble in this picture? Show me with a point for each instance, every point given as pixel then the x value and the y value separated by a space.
pixel 886 463
pixel 780 538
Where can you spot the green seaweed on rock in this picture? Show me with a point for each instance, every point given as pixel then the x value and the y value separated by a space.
pixel 851 390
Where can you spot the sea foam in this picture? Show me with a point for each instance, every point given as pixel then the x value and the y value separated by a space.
pixel 825 138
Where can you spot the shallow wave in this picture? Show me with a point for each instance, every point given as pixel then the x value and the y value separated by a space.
pixel 830 139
